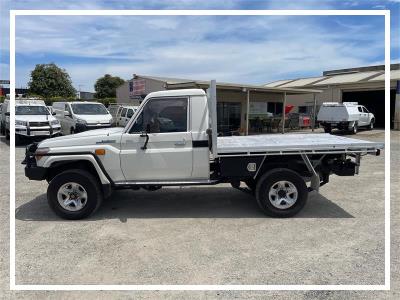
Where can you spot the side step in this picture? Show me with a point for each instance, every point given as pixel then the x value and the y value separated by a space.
pixel 127 184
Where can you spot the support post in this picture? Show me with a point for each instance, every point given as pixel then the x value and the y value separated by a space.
pixel 315 181
pixel 212 105
pixel 396 121
pixel 314 119
pixel 283 113
pixel 247 111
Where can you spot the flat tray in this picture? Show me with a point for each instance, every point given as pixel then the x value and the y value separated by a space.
pixel 294 142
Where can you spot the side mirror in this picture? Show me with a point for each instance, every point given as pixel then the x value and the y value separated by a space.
pixel 53 113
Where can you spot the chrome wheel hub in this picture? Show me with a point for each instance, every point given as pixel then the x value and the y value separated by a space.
pixel 72 196
pixel 283 194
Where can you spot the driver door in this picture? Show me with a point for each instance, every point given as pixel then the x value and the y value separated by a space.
pixel 168 153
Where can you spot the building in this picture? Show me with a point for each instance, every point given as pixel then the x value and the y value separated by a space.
pixel 18 91
pixel 237 104
pixel 364 85
pixel 85 95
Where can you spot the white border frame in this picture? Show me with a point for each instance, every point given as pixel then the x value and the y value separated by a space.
pixel 14 13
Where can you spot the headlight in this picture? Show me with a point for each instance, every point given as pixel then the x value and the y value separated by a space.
pixel 55 122
pixel 40 152
pixel 80 121
pixel 21 123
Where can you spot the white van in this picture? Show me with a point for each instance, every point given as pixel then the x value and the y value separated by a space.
pixel 80 116
pixel 32 119
pixel 125 115
pixel 345 116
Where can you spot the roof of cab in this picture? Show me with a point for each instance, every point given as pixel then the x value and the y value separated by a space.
pixel 182 92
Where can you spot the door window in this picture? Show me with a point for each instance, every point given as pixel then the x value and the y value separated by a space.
pixel 365 110
pixel 360 109
pixel 161 115
pixel 68 109
pixel 123 113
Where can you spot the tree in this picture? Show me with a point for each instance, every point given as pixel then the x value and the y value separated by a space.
pixel 48 80
pixel 106 86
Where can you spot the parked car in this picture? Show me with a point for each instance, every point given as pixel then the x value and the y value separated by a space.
pixel 81 116
pixel 125 115
pixel 32 119
pixel 114 109
pixel 345 116
pixel 172 141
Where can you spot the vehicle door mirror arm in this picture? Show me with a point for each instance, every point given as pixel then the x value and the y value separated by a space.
pixel 145 134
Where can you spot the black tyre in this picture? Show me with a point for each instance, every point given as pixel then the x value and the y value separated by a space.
pixel 281 193
pixel 74 194
pixel 327 129
pixel 371 125
pixel 354 129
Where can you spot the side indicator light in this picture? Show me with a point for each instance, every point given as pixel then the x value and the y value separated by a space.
pixel 100 151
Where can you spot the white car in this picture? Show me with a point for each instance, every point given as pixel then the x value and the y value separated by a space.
pixel 32 119
pixel 126 113
pixel 345 116
pixel 172 141
pixel 81 116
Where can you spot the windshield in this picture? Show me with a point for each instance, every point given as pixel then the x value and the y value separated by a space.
pixel 31 110
pixel 89 109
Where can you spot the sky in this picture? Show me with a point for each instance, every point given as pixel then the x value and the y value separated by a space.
pixel 239 49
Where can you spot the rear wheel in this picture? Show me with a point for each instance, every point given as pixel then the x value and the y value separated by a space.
pixel 74 194
pixel 327 129
pixel 281 193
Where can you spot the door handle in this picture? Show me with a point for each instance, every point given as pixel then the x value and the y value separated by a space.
pixel 180 143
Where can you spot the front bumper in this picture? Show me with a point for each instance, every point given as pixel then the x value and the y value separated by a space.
pixel 32 171
pixel 29 131
pixel 35 173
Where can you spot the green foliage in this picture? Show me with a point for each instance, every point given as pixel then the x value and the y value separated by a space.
pixel 106 86
pixel 48 80
pixel 106 101
pixel 50 101
pixel 2 98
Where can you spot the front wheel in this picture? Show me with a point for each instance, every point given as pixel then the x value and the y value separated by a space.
pixel 281 193
pixel 371 125
pixel 74 194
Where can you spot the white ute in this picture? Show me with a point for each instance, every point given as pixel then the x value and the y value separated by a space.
pixel 172 141
pixel 345 116
pixel 32 119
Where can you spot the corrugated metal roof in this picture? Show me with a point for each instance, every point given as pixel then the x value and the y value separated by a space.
pixel 347 78
pixel 394 75
pixel 278 83
pixel 171 82
pixel 168 80
pixel 302 82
